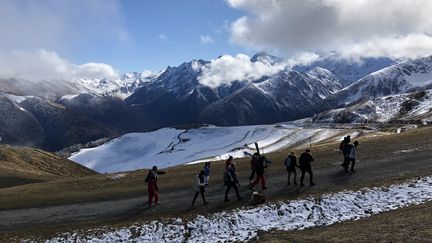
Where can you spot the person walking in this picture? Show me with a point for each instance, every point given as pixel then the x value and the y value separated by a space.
pixel 306 167
pixel 260 169
pixel 153 190
pixel 291 164
pixel 231 181
pixel 352 155
pixel 253 163
pixel 207 171
pixel 344 149
pixel 228 162
pixel 199 187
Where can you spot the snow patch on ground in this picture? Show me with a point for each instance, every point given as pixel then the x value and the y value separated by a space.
pixel 243 224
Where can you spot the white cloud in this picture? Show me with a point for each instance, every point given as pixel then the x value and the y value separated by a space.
pixel 59 25
pixel 206 39
pixel 44 65
pixel 163 37
pixel 356 29
pixel 227 69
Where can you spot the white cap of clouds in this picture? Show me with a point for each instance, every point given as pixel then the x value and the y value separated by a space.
pixel 354 28
pixel 227 69
pixel 44 65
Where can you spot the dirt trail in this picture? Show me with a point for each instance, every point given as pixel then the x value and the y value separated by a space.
pixel 175 203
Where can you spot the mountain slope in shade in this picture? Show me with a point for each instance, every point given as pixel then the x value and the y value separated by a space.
pixel 176 97
pixel 18 126
pixel 286 96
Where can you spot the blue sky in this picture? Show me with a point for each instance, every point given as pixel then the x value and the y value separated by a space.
pixel 104 38
pixel 164 32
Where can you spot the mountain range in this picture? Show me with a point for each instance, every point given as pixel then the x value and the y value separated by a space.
pixel 55 114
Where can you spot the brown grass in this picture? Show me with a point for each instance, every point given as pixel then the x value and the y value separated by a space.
pixel 36 165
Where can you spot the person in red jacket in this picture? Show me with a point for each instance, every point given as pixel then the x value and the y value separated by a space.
pixel 260 166
pixel 153 190
pixel 253 162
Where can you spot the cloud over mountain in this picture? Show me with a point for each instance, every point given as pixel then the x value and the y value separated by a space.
pixel 355 29
pixel 227 69
pixel 44 65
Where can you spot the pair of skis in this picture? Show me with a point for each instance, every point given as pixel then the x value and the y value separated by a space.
pixel 257 149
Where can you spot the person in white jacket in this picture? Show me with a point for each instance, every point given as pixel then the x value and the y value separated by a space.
pixel 352 155
pixel 199 187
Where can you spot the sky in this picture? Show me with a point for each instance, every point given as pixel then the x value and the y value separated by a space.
pixel 47 39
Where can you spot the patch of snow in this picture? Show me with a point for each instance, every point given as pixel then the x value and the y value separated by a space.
pixel 170 147
pixel 69 97
pixel 244 224
pixel 117 176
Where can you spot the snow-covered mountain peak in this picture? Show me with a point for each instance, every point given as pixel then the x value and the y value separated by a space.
pixel 347 71
pixel 266 58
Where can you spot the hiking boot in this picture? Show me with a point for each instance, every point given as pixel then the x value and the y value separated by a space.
pixel 240 198
pixel 264 188
pixel 353 171
pixel 312 184
pixel 226 200
pixel 205 203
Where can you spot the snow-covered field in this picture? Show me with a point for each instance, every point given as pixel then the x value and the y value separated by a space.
pixel 243 224
pixel 169 147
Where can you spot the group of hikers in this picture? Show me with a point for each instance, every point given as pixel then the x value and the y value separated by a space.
pixel 258 164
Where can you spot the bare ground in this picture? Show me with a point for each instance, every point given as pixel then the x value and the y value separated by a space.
pixel 382 160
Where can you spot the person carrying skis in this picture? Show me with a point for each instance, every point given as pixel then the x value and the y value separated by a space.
pixel 253 163
pixel 306 167
pixel 259 169
pixel 344 149
pixel 199 187
pixel 351 155
pixel 231 181
pixel 207 172
pixel 291 164
pixel 153 190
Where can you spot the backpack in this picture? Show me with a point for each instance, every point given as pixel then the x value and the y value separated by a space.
pixel 288 162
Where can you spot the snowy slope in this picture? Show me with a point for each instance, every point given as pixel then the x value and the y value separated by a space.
pixel 403 77
pixel 415 106
pixel 170 147
pixel 347 71
pixel 121 88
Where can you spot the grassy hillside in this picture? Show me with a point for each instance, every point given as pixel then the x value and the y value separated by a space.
pixel 21 165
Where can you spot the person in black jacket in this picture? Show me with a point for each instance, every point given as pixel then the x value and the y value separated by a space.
pixel 305 166
pixel 291 164
pixel 345 149
pixel 231 181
